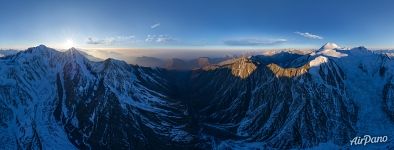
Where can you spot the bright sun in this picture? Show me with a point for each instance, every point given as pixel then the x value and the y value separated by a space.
pixel 69 43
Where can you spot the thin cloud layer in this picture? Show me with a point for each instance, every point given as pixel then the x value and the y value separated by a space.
pixel 95 41
pixel 254 42
pixel 309 35
pixel 155 26
pixel 110 40
pixel 159 39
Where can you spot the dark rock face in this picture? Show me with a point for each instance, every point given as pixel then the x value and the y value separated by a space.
pixel 388 99
pixel 51 99
pixel 97 116
pixel 283 112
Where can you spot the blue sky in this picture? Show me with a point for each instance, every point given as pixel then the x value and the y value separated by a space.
pixel 196 24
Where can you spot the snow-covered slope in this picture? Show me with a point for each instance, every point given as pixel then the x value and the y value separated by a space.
pixel 327 97
pixel 62 100
pixel 279 109
pixel 329 46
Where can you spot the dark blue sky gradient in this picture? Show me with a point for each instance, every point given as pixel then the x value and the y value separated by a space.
pixel 196 24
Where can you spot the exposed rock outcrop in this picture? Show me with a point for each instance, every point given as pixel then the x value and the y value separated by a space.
pixel 288 72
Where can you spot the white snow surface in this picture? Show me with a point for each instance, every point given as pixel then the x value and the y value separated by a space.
pixel 365 85
pixel 329 46
pixel 332 53
pixel 318 61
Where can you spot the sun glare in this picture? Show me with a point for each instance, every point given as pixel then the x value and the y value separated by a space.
pixel 69 43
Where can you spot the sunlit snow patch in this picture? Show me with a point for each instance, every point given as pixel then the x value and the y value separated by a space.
pixel 329 49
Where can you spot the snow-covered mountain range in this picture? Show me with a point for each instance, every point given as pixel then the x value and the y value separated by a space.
pixel 281 100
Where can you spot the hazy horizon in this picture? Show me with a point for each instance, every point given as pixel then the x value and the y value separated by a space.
pixel 130 54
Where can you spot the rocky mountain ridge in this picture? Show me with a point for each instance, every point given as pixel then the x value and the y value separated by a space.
pixel 57 100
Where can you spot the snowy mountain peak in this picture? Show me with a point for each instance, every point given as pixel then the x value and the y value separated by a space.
pixel 74 52
pixel 40 50
pixel 360 48
pixel 72 49
pixel 330 49
pixel 42 46
pixel 329 46
pixel 111 63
